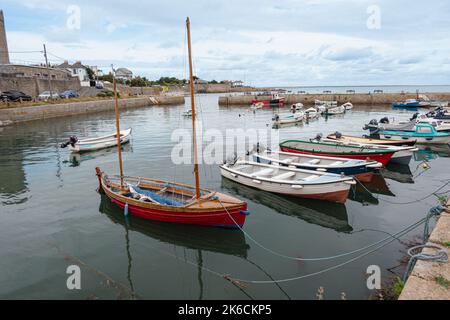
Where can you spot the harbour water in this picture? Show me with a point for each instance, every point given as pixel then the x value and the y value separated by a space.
pixel 52 216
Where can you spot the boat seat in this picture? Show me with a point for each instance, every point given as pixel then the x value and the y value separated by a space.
pixel 289 160
pixel 336 163
pixel 311 177
pixel 284 176
pixel 263 172
pixel 314 161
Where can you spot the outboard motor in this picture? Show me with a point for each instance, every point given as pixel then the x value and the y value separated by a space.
pixel 338 135
pixel 72 141
pixel 276 117
pixel 414 117
pixel 232 159
pixel 373 128
pixel 384 120
pixel 318 137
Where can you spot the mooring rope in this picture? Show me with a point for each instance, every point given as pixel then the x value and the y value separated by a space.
pixel 391 236
pixel 440 255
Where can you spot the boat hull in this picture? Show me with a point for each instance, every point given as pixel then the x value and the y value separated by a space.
pixel 223 211
pixel 383 158
pixel 100 143
pixel 398 143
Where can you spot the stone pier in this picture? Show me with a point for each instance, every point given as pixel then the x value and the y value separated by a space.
pixel 430 280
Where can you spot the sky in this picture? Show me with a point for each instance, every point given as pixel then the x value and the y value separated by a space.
pixel 264 43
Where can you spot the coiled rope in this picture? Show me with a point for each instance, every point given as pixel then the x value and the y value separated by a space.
pixel 416 253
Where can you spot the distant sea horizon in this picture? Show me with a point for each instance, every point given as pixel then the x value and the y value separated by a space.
pixel 367 88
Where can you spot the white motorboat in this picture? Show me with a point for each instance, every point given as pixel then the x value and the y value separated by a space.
pixel 348 106
pixel 288 118
pixel 92 144
pixel 311 113
pixel 289 181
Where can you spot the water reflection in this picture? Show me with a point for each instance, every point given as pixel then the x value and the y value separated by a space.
pixel 364 192
pixel 426 153
pixel 224 241
pixel 13 185
pixel 398 172
pixel 322 213
pixel 75 159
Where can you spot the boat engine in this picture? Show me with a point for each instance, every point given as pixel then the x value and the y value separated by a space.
pixel 276 117
pixel 338 135
pixel 384 120
pixel 414 117
pixel 72 141
pixel 318 137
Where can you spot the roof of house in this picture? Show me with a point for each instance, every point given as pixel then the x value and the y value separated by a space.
pixel 124 71
pixel 76 65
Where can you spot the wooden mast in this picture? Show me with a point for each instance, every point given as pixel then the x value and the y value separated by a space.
pixel 119 146
pixel 194 137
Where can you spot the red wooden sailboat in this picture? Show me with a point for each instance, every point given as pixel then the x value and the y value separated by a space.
pixel 170 201
pixel 331 149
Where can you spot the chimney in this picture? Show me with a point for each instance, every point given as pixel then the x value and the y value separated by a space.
pixel 4 53
pixel 66 61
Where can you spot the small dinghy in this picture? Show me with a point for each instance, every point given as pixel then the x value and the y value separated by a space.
pixel 319 163
pixel 348 106
pixel 279 120
pixel 289 181
pixel 92 144
pixel 367 140
pixel 187 113
pixel 257 105
pixel 335 110
pixel 311 113
pixel 335 149
pixel 297 106
pixel 402 154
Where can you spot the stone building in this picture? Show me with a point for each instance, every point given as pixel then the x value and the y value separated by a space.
pixel 33 80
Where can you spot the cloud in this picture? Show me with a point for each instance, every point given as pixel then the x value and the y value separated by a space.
pixel 284 43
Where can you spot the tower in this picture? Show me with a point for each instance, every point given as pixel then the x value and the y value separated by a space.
pixel 4 54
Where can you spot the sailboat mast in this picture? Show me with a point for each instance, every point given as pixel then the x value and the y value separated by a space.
pixel 119 146
pixel 194 134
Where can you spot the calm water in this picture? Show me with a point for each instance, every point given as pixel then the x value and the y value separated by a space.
pixel 53 217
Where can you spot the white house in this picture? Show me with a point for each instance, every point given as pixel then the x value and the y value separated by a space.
pixel 77 70
pixel 124 74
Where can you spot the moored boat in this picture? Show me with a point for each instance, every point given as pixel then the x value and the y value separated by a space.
pixel 92 144
pixel 361 168
pixel 402 154
pixel 170 201
pixel 348 105
pixel 335 149
pixel 424 134
pixel 335 110
pixel 288 118
pixel 311 113
pixel 368 140
pixel 289 181
pixel 274 100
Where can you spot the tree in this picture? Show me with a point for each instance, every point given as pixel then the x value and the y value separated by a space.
pixel 90 73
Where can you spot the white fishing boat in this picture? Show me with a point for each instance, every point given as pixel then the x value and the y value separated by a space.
pixel 348 106
pixel 321 109
pixel 297 106
pixel 289 181
pixel 92 144
pixel 335 110
pixel 288 118
pixel 325 103
pixel 257 105
pixel 187 113
pixel 311 113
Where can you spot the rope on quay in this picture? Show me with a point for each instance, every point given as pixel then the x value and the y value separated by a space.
pixel 416 253
pixel 394 237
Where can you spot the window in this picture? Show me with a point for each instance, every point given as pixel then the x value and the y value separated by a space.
pixel 424 130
